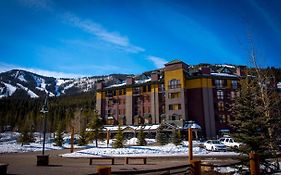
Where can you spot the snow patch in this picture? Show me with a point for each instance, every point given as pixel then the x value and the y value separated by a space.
pixel 223 75
pixel 30 93
pixel 21 78
pixel 10 89
pixel 67 87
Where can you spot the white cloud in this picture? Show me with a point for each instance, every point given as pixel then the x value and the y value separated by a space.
pixel 6 67
pixel 158 62
pixel 99 31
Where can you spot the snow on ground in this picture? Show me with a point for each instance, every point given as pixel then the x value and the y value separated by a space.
pixel 8 144
pixel 149 151
pixel 166 150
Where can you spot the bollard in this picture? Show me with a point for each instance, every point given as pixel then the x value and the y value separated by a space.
pixel 103 170
pixel 254 163
pixel 190 153
pixel 195 167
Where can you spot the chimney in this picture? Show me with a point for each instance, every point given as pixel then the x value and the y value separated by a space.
pixel 154 76
pixel 205 70
pixel 130 81
pixel 99 85
pixel 240 70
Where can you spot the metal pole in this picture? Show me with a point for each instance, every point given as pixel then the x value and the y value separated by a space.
pixel 44 134
pixel 190 155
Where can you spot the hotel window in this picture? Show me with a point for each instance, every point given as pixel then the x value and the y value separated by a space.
pixel 220 106
pixel 220 94
pixel 174 95
pixel 232 95
pixel 161 87
pixel 220 83
pixel 234 84
pixel 173 84
pixel 120 92
pixel 222 119
pixel 149 88
pixel 175 107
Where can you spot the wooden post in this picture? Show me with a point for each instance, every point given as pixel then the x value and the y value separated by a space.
pixel 254 163
pixel 103 170
pixel 195 167
pixel 190 154
pixel 72 139
pixel 107 137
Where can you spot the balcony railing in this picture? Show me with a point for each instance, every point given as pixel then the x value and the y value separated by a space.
pixel 174 86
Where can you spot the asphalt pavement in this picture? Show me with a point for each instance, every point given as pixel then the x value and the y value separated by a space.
pixel 26 164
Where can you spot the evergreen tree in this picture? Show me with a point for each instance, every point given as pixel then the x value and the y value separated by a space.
pixel 161 137
pixel 82 138
pixel 26 135
pixel 176 137
pixel 96 125
pixel 141 138
pixel 119 139
pixel 59 135
pixel 257 114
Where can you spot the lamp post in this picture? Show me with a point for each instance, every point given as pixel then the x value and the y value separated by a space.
pixel 43 160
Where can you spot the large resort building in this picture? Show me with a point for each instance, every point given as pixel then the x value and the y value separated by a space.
pixel 175 94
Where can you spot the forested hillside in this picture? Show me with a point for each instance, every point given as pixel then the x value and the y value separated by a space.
pixel 19 112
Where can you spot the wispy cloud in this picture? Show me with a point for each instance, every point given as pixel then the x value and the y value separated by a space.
pixel 38 4
pixel 6 67
pixel 158 62
pixel 99 31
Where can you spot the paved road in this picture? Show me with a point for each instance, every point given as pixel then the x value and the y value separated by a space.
pixel 25 164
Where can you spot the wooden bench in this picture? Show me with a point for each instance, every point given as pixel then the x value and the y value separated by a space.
pixel 101 158
pixel 143 158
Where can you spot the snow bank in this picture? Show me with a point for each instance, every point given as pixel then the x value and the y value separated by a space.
pixel 166 150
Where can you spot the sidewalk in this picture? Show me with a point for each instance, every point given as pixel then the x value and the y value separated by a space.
pixel 25 164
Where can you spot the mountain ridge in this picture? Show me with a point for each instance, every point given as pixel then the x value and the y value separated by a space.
pixel 18 82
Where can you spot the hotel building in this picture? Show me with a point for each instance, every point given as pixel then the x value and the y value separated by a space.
pixel 174 94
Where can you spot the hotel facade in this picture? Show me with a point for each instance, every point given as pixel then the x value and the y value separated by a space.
pixel 174 94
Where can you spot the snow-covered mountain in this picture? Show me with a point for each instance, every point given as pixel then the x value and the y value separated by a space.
pixel 23 83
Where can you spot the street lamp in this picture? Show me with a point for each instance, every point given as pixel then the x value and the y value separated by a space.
pixel 43 160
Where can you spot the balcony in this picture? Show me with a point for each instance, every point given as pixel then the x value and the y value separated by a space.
pixel 174 86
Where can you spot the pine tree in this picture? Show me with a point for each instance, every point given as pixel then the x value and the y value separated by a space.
pixel 176 137
pixel 161 137
pixel 24 137
pixel 26 134
pixel 119 139
pixel 82 138
pixel 96 125
pixel 141 138
pixel 59 135
pixel 257 114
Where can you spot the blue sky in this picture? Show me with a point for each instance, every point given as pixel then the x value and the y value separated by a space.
pixel 84 38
